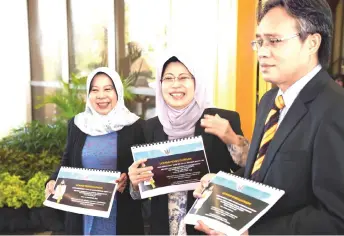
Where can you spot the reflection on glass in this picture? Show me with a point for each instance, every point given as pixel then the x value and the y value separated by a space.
pixel 145 39
pixel 145 29
pixel 89 34
pixel 47 35
pixel 46 113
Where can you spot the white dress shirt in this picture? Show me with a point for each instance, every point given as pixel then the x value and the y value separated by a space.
pixel 293 91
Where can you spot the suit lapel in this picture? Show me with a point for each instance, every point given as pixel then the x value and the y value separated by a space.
pixel 79 142
pixel 296 112
pixel 159 134
pixel 258 133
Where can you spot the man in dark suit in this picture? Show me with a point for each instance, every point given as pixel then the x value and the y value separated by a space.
pixel 298 137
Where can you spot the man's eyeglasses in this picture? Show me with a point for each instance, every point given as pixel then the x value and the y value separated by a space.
pixel 270 42
pixel 170 79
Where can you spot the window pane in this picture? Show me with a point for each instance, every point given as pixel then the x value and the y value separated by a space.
pixel 47 112
pixel 89 34
pixel 144 37
pixel 47 37
pixel 48 47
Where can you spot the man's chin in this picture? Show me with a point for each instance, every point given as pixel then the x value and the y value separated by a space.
pixel 269 79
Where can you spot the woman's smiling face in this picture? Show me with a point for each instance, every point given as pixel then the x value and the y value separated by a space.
pixel 102 95
pixel 177 85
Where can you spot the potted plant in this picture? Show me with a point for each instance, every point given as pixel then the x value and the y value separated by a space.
pixel 21 206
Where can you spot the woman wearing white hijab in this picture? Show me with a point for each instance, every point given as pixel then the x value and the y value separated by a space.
pixel 184 110
pixel 100 138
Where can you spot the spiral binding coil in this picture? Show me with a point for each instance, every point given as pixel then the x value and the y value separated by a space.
pixel 164 142
pixel 251 181
pixel 90 169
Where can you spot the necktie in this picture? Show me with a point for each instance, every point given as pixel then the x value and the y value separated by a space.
pixel 270 129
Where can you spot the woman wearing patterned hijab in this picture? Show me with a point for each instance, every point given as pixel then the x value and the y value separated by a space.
pixel 184 110
pixel 100 138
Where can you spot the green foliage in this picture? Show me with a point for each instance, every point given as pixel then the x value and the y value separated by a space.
pixel 34 190
pixel 35 137
pixel 12 190
pixel 32 148
pixel 25 164
pixel 127 82
pixel 15 192
pixel 69 100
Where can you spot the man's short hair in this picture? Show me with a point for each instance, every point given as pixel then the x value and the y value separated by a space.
pixel 313 16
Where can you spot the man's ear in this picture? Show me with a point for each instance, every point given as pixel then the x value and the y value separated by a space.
pixel 313 43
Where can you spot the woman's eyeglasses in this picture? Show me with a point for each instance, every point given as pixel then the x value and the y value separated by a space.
pixel 170 79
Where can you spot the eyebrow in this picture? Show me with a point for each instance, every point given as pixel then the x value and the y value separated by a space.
pixel 268 35
pixel 184 73
pixel 95 86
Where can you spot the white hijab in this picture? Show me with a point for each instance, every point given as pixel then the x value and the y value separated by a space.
pixel 95 124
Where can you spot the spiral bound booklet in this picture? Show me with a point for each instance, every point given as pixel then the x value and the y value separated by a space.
pixel 84 191
pixel 178 165
pixel 231 204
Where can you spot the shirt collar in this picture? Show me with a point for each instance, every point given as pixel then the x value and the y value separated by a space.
pixel 291 93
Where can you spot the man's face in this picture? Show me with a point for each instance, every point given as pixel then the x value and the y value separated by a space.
pixel 281 62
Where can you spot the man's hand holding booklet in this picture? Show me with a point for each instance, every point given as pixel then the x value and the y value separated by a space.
pixel 230 204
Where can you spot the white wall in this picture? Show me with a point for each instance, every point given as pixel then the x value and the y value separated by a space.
pixel 15 101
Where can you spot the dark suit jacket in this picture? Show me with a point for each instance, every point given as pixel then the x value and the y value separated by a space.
pixel 218 158
pixel 305 159
pixel 129 217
